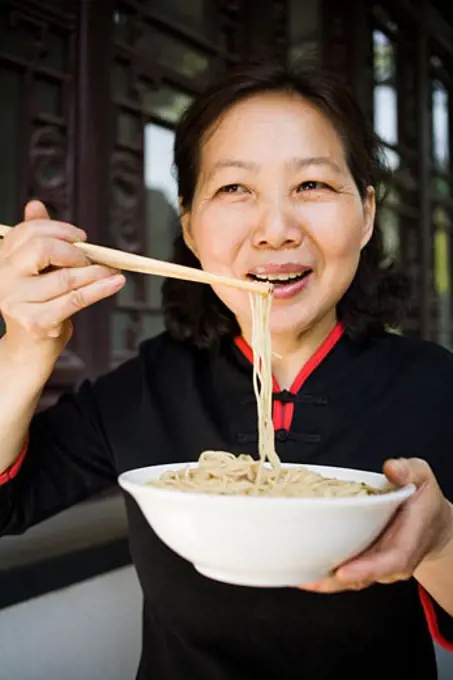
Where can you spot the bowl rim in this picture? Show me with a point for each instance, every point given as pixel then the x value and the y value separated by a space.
pixel 400 494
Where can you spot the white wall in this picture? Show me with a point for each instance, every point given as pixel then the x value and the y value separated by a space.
pixel 91 631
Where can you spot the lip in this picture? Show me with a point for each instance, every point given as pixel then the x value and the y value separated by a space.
pixel 291 289
pixel 287 268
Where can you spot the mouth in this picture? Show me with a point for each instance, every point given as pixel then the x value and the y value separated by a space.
pixel 279 280
pixel 288 280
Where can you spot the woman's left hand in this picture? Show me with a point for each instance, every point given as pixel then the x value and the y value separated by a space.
pixel 419 531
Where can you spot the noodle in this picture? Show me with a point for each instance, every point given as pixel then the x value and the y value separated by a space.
pixel 220 472
pixel 262 382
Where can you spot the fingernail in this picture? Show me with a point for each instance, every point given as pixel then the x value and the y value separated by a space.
pixel 402 467
pixel 399 467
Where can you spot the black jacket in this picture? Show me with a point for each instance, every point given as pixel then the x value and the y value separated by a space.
pixel 356 407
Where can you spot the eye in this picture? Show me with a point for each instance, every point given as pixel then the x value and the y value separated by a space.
pixel 311 185
pixel 232 189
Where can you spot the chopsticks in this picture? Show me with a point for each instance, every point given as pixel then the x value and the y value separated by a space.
pixel 119 259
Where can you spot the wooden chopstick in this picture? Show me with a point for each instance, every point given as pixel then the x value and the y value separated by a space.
pixel 119 259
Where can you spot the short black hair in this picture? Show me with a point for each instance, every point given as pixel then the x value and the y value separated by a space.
pixel 378 295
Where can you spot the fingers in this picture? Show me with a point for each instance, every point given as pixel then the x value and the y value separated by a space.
pixel 394 556
pixel 23 233
pixel 326 585
pixel 333 585
pixel 42 252
pixel 396 553
pixel 353 579
pixel 405 542
pixel 56 311
pixel 388 567
pixel 54 284
pixel 45 278
pixel 40 320
pixel 403 471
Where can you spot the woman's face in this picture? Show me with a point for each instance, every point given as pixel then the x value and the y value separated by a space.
pixel 275 201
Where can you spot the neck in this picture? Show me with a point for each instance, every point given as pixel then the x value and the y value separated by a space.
pixel 295 351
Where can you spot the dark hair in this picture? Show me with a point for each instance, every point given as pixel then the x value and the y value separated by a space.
pixel 378 293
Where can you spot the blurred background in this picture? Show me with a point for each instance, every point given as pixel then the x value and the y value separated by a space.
pixel 90 91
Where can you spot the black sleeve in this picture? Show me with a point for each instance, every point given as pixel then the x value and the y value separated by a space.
pixel 68 459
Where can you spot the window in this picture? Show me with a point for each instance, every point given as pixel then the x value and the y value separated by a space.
pixel 441 201
pixel 36 122
pixel 386 124
pixel 385 96
pixel 410 115
pixel 164 53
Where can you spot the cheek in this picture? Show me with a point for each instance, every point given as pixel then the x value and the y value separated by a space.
pixel 220 232
pixel 338 235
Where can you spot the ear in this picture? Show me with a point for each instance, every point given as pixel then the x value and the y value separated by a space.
pixel 369 213
pixel 186 231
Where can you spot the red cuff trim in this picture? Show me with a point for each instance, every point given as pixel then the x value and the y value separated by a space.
pixel 430 614
pixel 9 474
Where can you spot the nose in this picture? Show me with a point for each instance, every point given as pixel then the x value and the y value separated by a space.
pixel 277 229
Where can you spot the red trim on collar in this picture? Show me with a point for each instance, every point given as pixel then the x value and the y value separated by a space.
pixel 283 413
pixel 11 472
pixel 247 351
pixel 320 354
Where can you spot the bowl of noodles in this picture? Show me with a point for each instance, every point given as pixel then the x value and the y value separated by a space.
pixel 255 521
pixel 254 538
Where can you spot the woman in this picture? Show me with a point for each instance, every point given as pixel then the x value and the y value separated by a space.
pixel 277 175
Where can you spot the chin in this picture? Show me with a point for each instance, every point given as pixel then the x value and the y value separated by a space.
pixel 292 322
pixel 288 327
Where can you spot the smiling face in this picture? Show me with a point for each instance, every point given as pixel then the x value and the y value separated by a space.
pixel 275 200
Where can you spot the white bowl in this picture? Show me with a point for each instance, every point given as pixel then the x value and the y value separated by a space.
pixel 264 541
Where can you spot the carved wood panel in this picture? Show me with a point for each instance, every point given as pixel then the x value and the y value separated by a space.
pixel 37 50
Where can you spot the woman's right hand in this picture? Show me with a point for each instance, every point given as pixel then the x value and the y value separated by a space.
pixel 45 279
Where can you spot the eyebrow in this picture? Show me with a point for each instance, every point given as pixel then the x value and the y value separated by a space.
pixel 234 163
pixel 299 163
pixel 296 163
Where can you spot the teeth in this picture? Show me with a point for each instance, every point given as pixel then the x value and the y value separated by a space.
pixel 277 277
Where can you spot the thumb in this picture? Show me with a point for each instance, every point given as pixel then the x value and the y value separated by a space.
pixel 402 471
pixel 35 210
